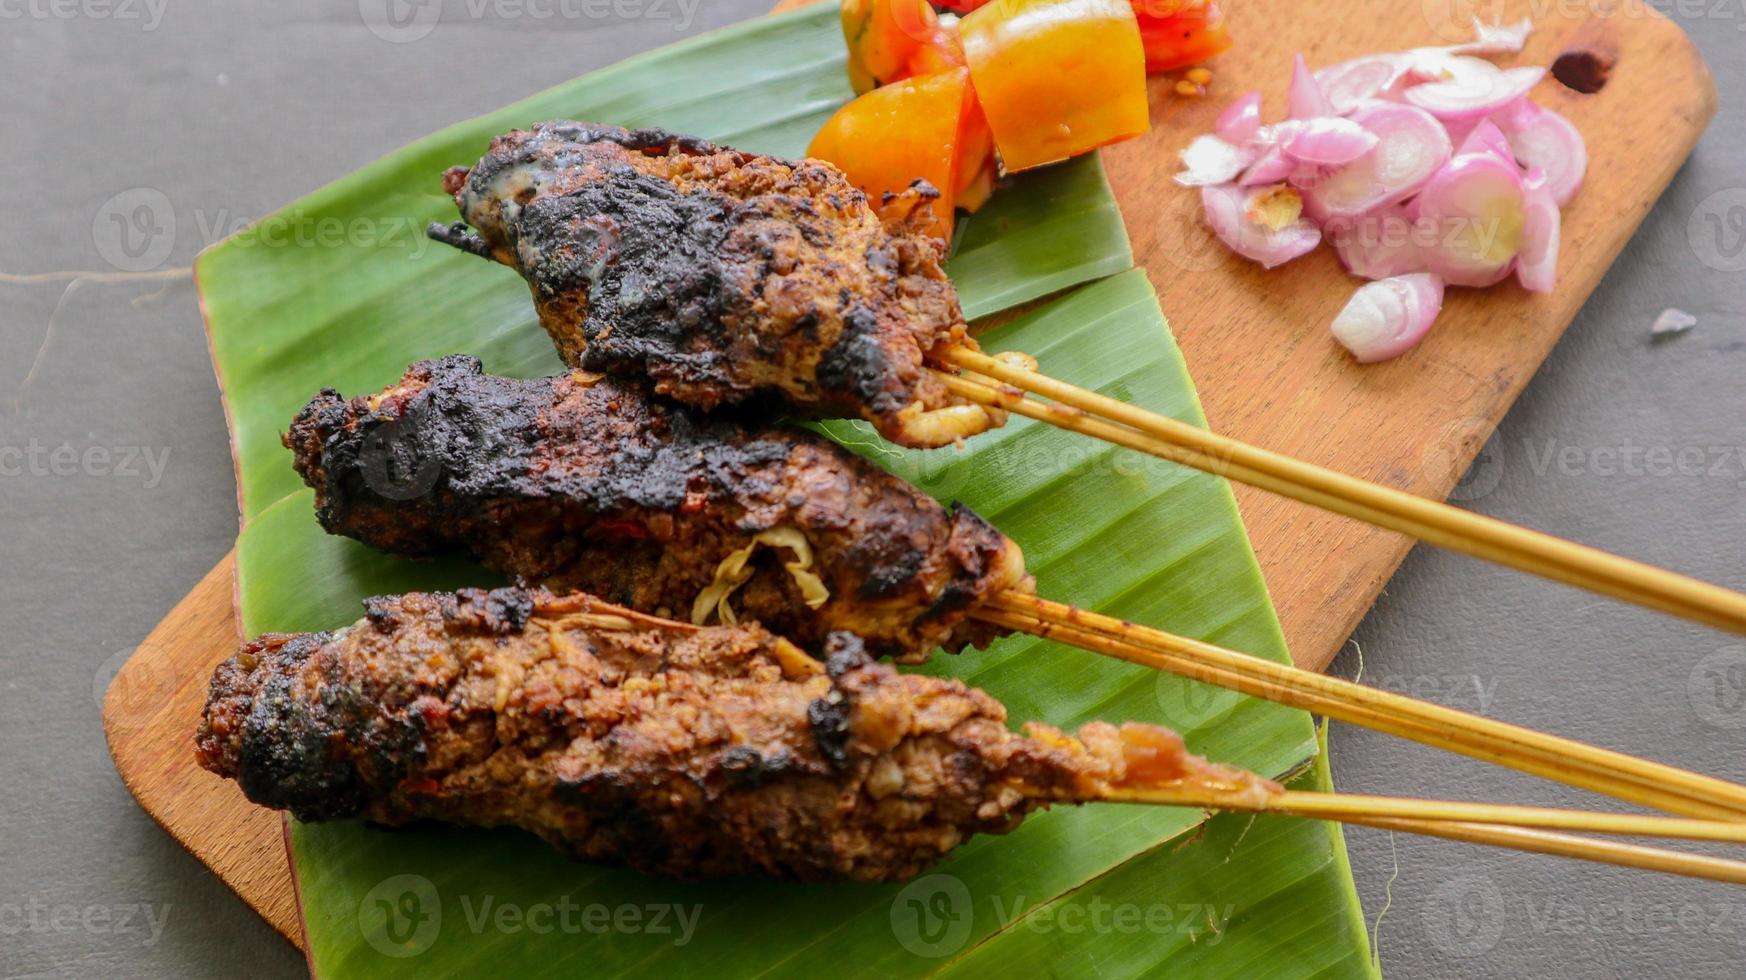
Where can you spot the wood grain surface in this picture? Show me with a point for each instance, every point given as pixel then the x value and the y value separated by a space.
pixel 1257 343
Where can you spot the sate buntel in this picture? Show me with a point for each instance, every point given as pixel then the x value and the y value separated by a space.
pixel 723 276
pixel 667 748
pixel 587 483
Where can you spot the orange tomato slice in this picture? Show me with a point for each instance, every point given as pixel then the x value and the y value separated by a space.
pixel 1057 78
pixel 912 129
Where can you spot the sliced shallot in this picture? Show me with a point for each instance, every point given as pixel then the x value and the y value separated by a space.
pixel 1496 38
pixel 1477 95
pixel 1379 245
pixel 1387 318
pixel 1475 206
pixel 1331 142
pixel 1541 138
pixel 1241 121
pixel 1350 84
pixel 1264 224
pixel 1411 146
pixel 1487 138
pixel 1306 98
pixel 1537 266
pixel 1211 160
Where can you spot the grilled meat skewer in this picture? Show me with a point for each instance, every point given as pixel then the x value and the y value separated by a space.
pixel 722 276
pixel 671 749
pixel 586 483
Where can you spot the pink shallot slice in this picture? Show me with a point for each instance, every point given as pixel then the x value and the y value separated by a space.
pixel 1265 225
pixel 1537 266
pixel 1387 318
pixel 1241 120
pixel 1476 207
pixel 1541 138
pixel 1306 98
pixel 1411 146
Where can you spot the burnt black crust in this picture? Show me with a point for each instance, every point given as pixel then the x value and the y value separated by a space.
pixel 283 756
pixel 723 277
pixel 592 484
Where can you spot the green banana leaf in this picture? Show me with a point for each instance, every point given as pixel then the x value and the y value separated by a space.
pixel 1153 543
pixel 340 289
pixel 338 282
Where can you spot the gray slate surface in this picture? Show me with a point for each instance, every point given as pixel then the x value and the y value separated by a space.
pixel 230 110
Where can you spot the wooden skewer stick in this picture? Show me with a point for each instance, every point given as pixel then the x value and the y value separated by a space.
pixel 1571 846
pixel 1427 520
pixel 1563 760
pixel 1343 806
pixel 1518 828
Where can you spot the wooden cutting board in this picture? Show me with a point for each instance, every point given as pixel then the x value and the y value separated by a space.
pixel 1257 344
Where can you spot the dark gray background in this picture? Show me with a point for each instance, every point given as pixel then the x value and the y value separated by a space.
pixel 231 110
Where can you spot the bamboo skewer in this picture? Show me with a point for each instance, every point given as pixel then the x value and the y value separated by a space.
pixel 1344 806
pixel 1571 846
pixel 1574 763
pixel 1431 521
pixel 1513 827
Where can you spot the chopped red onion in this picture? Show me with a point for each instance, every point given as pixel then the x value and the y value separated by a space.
pixel 1384 243
pixel 1411 147
pixel 1233 212
pixel 1240 122
pixel 1478 95
pixel 1211 160
pixel 1368 160
pixel 1541 138
pixel 1487 138
pixel 1306 98
pixel 1537 266
pixel 1672 321
pixel 1496 38
pixel 1387 318
pixel 1331 142
pixel 1476 206
pixel 1350 84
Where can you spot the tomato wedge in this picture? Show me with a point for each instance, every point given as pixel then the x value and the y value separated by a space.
pixel 1180 33
pixel 1057 78
pixel 883 35
pixel 915 128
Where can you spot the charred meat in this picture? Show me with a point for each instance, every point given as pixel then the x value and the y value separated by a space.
pixel 667 748
pixel 581 482
pixel 721 276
